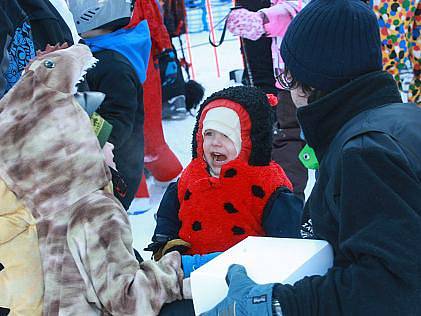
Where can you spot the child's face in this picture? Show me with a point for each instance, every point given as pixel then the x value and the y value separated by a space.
pixel 218 150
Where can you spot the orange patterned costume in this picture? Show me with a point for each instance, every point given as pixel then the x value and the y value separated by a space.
pixel 399 22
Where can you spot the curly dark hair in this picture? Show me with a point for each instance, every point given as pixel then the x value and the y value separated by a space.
pixel 287 82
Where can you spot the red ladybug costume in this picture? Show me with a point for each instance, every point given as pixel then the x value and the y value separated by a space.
pixel 217 213
pixel 251 197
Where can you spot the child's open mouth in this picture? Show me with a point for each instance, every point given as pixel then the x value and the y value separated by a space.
pixel 218 158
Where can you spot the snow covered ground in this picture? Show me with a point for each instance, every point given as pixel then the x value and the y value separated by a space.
pixel 178 134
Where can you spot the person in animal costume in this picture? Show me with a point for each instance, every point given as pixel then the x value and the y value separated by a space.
pixel 231 189
pixel 65 240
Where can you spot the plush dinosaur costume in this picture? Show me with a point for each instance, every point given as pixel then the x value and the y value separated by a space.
pixel 65 241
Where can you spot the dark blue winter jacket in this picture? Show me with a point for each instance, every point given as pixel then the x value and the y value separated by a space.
pixel 366 202
pixel 121 69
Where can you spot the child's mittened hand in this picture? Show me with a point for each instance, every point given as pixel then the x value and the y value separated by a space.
pixel 246 24
pixel 171 263
pixel 193 262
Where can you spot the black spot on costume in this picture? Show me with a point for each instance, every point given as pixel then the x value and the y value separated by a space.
pixel 230 173
pixel 229 207
pixel 187 195
pixel 197 226
pixel 258 191
pixel 238 230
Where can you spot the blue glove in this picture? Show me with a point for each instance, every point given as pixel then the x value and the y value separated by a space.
pixel 191 263
pixel 245 297
pixel 168 60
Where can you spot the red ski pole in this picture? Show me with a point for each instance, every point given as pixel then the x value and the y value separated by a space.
pixel 215 53
pixel 189 52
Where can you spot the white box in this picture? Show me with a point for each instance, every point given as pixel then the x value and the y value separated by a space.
pixel 266 259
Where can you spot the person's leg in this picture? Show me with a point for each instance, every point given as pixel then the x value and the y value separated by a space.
pixel 178 308
pixel 160 160
pixel 129 162
pixel 173 93
pixel 287 143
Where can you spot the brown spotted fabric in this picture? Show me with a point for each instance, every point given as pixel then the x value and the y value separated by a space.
pixel 51 159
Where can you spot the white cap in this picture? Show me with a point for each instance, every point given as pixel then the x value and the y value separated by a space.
pixel 225 121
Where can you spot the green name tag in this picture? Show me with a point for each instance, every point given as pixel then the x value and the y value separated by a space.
pixel 101 128
pixel 308 158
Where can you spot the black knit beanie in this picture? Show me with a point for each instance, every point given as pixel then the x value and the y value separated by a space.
pixel 331 42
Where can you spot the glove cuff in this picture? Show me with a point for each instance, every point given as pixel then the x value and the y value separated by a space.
pixel 259 300
pixel 191 263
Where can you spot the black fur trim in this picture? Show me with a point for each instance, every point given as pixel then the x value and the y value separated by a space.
pixel 255 102
pixel 194 94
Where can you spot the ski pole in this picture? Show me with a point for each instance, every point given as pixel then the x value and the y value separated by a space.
pixel 247 64
pixel 186 64
pixel 209 9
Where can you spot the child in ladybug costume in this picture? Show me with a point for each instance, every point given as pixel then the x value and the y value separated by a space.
pixel 231 189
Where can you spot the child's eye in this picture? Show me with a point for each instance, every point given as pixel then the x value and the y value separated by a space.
pixel 208 133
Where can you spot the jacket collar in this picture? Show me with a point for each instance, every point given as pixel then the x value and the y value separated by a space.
pixel 134 44
pixel 321 120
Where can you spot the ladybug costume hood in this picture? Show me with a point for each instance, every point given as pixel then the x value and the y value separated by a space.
pixel 256 118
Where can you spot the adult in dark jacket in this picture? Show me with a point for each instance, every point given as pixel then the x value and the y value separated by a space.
pixel 366 201
pixel 119 74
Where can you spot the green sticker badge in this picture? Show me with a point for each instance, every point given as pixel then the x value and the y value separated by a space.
pixel 308 158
